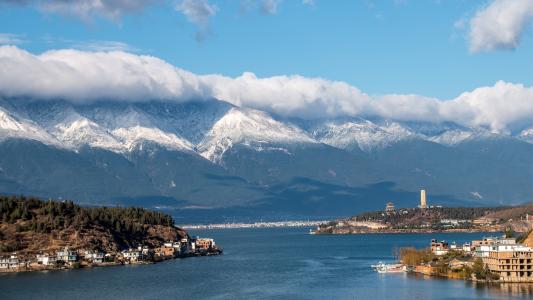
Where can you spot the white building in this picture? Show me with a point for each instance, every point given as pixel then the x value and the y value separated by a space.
pixel 67 256
pixel 467 248
pixel 46 260
pixel 145 251
pixel 95 257
pixel 495 244
pixel 132 255
pixel 454 222
pixel 483 250
pixel 11 262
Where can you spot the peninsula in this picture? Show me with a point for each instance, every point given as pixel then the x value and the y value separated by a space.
pixel 433 218
pixel 506 259
pixel 49 235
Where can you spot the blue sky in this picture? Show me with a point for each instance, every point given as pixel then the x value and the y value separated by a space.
pixel 381 47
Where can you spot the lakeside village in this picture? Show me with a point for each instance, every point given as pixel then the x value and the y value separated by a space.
pixel 495 260
pixel 68 258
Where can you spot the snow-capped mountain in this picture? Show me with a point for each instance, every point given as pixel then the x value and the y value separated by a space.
pixel 119 127
pixel 252 128
pixel 210 153
pixel 209 128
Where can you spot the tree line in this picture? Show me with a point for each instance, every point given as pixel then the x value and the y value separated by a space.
pixel 32 214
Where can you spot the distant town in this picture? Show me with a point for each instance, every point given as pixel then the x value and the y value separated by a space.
pixel 433 218
pixel 256 225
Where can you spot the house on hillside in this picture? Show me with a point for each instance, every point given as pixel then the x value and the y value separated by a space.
pixel 11 262
pixel 46 259
pixel 136 254
pixel 67 256
pixel 94 256
pixel 204 243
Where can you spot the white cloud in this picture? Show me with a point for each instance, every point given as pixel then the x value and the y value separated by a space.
pixel 87 9
pixel 104 46
pixel 290 95
pixel 11 39
pixel 500 107
pixel 84 76
pixel 87 76
pixel 500 25
pixel 270 6
pixel 198 12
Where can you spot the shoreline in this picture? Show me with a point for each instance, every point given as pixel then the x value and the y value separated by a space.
pixel 408 231
pixel 41 268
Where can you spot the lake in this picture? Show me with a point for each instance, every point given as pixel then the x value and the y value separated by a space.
pixel 264 264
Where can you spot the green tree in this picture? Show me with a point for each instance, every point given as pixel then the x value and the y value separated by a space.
pixel 479 269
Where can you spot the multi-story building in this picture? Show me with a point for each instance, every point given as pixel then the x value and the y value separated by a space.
pixel 11 262
pixel 483 221
pixel 514 263
pixel 439 248
pixel 165 251
pixel 46 259
pixel 467 248
pixel 204 243
pixel 484 246
pixel 94 257
pixel 132 255
pixel 67 256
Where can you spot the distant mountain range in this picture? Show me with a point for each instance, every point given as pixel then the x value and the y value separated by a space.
pixel 211 156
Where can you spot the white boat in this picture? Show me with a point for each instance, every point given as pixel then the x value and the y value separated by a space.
pixel 389 268
pixel 376 267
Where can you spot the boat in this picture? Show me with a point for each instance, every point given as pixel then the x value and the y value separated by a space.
pixel 376 267
pixel 389 268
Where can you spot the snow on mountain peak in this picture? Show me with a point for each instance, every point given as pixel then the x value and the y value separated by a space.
pixel 14 127
pixel 76 132
pixel 133 136
pixel 249 127
pixel 452 137
pixel 361 134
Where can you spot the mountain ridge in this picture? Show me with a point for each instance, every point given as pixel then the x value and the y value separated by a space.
pixel 211 154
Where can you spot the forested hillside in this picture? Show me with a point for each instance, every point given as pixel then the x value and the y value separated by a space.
pixel 27 224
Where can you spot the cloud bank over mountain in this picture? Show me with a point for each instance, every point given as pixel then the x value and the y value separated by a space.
pixel 80 76
pixel 500 25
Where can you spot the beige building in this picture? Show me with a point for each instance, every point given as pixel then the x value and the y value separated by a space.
pixel 204 243
pixel 514 263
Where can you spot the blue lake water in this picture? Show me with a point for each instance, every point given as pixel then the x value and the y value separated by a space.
pixel 264 264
